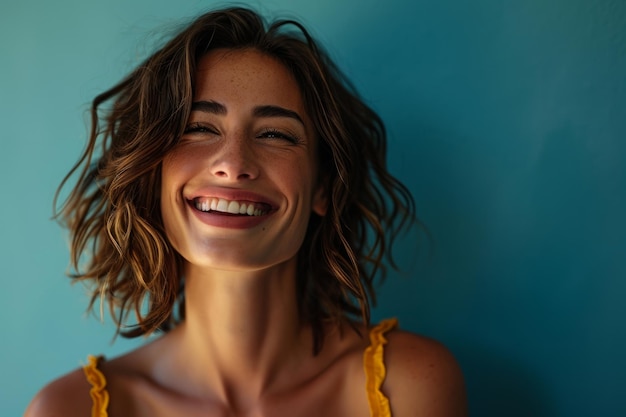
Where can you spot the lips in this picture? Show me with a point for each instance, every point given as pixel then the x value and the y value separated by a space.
pixel 232 207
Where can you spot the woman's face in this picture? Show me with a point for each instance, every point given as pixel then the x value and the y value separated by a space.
pixel 239 188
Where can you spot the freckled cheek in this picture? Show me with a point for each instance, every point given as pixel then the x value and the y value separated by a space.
pixel 174 174
pixel 179 164
pixel 300 178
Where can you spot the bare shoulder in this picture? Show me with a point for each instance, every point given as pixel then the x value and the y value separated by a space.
pixel 423 378
pixel 67 396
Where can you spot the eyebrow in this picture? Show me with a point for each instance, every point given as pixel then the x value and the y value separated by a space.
pixel 259 111
pixel 209 107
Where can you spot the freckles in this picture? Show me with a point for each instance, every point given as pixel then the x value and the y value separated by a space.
pixel 179 162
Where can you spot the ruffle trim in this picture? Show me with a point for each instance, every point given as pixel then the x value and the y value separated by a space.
pixel 98 382
pixel 374 364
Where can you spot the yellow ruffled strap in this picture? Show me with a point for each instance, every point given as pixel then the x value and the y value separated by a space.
pixel 374 364
pixel 98 392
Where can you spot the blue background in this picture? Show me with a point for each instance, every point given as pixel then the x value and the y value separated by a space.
pixel 506 120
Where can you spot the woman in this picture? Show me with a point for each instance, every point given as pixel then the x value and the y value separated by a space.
pixel 235 198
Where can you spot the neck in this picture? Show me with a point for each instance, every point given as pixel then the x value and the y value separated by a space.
pixel 243 329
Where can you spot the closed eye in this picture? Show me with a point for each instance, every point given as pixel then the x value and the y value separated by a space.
pixel 278 135
pixel 199 128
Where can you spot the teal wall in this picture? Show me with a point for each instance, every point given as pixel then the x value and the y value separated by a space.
pixel 506 120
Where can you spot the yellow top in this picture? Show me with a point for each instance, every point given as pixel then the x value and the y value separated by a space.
pixel 373 363
pixel 98 392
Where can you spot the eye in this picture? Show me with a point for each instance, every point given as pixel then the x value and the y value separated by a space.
pixel 200 128
pixel 274 134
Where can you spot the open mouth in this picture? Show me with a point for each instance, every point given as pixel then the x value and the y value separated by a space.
pixel 230 207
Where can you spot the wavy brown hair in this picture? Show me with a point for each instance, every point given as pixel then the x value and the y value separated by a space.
pixel 113 214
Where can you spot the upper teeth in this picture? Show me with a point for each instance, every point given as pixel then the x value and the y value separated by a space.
pixel 228 206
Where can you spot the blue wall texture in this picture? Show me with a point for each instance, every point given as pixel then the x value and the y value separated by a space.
pixel 506 120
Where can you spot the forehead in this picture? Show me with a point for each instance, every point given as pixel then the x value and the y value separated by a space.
pixel 246 74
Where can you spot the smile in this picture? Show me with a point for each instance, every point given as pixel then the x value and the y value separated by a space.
pixel 221 205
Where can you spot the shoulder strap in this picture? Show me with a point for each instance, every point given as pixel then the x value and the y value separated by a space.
pixel 98 392
pixel 374 364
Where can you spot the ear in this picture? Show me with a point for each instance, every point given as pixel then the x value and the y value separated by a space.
pixel 320 199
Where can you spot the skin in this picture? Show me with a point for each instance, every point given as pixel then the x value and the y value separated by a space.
pixel 242 350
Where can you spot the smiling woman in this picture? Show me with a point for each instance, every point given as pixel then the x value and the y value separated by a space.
pixel 242 192
pixel 247 146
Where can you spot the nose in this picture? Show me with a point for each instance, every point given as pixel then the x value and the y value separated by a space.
pixel 235 160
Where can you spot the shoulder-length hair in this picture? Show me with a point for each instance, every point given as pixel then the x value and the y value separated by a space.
pixel 113 213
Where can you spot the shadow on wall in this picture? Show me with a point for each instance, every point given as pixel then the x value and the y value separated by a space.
pixel 499 386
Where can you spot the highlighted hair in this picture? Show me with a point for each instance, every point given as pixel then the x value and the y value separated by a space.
pixel 113 211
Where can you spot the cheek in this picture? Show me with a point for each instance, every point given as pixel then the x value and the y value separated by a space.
pixel 167 212
pixel 172 175
pixel 299 177
pixel 176 163
pixel 177 166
